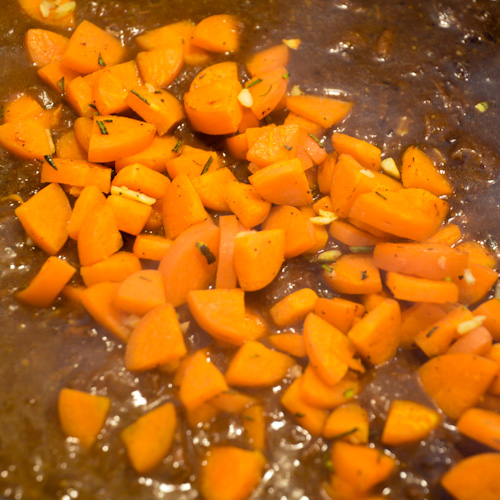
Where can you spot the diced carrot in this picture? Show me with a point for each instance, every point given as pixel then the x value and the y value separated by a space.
pixel 57 76
pixel 151 246
pixel 478 254
pixel 267 91
pixel 371 300
pixel 230 473
pixel 83 128
pixel 351 235
pixel 268 59
pixel 294 307
pixel 90 199
pixel 25 106
pixel 490 309
pixel 291 343
pixel 449 234
pixel 254 423
pixel 313 147
pixel 283 183
pixel 237 146
pixel 114 137
pixel 419 317
pixel 27 138
pixel 161 150
pixel 408 421
pixel 340 313
pixel 82 415
pixel 246 203
pixel 45 217
pixel 115 268
pixel 481 425
pixel 414 289
pixel 68 148
pixel 353 274
pixel 150 437
pixel 219 33
pixel 190 262
pixel 156 340
pixel 314 391
pixel 255 365
pixel 456 382
pixel 298 229
pixel 79 173
pixel 159 108
pixel 143 180
pixel 477 284
pixel 258 257
pixel 360 465
pixel 182 207
pixel 91 48
pixel 79 94
pixel 73 293
pixel 477 341
pixel 193 163
pixel 109 94
pixel 310 417
pixel 424 260
pixel 45 46
pixel 99 236
pixel 318 231
pixel 48 283
pixel 232 402
pixel 226 274
pixel 201 415
pixel 211 187
pixel 201 381
pixel 130 215
pixel 367 228
pixel 365 334
pixel 56 16
pixel 160 67
pixel 474 477
pixel 324 111
pixel 363 152
pixel 348 422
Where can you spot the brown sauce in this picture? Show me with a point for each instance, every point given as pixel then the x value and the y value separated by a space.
pixel 415 70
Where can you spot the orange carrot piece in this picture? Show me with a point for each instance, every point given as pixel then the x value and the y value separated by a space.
pixel 24 106
pixel 230 473
pixel 340 313
pixel 99 236
pixel 329 350
pixel 109 93
pixel 267 91
pixel 318 231
pixel 161 150
pixel 83 128
pixel 79 94
pixel 283 183
pixel 477 341
pixel 149 438
pixel 45 218
pixel 193 162
pixel 478 253
pixel 474 477
pixel 268 59
pixel 351 235
pixel 246 203
pixel 115 268
pixel 419 317
pixel 90 199
pixel 314 391
pixel 226 274
pixel 476 287
pixel 258 257
pixel 254 423
pixel 98 301
pixel 418 171
pixel 310 417
pixel 414 289
pixel 211 187
pixel 360 465
pixel 82 415
pixel 73 293
pixel 91 48
pixel 68 148
pixel 490 309
pixel 48 283
pixel 53 17
pixel 187 265
pixel 182 207
pixel 232 402
pixel 219 33
pixel 294 307
pixel 313 147
pixel 255 365
pixel 156 340
pixel 482 426
pixel 449 234
pixel 114 137
pixel 159 108
pixel 291 343
pixel 57 76
pixel 151 246
pixel 348 422
pixel 130 215
pixel 353 274
pixel 456 382
pixel 324 111
pixel 299 236
pixel 365 334
pixel 237 145
pixel 78 173
pixel 201 415
pixel 201 381
pixel 143 180
pixel 363 152
pixel 408 421
pixel 160 67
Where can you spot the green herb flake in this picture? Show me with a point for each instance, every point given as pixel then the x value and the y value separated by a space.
pixel 447 279
pixel 431 331
pixel 205 251
pixel 491 243
pixel 60 84
pixel 327 462
pixel 144 278
pixel 300 415
pixel 255 82
pixel 361 249
pixel 100 61
pixel 50 161
pixel 177 146
pixel 381 195
pixel 286 76
pixel 346 433
pixel 319 142
pixel 248 417
pixel 207 165
pixel 94 107
pixel 268 90
pixel 328 269
pixel 102 127
pixel 364 275
pixel 140 97
pixel 482 106
pixel 287 147
pixel 348 393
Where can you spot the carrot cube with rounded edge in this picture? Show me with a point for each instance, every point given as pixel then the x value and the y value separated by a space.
pixel 324 111
pixel 218 33
pixel 490 309
pixel 45 46
pixel 365 153
pixel 150 246
pixel 291 343
pixel 142 179
pixel 482 426
pixel 340 313
pixel 294 307
pixel 246 203
pixel 267 91
pixel 254 422
pixel 160 67
pixel 211 188
pixel 348 422
pixel 268 59
pixel 130 215
pixel 114 268
pixel 27 138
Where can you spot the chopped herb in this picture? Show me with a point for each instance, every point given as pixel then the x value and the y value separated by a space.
pixel 255 82
pixel 364 275
pixel 482 106
pixel 300 415
pixel 108 120
pixel 381 195
pixel 144 278
pixel 205 251
pixel 491 243
pixel 328 269
pixel 140 97
pixel 346 433
pixel 431 331
pixel 268 90
pixel 348 393
pixel 157 92
pixel 447 279
pixel 248 417
pixel 102 127
pixel 50 161
pixel 315 139
pixel 100 61
pixel 286 76
pixel 255 356
pixel 93 106
pixel 361 249
pixel 2 111
pixel 207 165
pixel 288 148
pixel 60 84
pixel 177 146
pixel 327 462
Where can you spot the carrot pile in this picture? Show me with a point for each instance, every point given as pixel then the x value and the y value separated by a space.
pixel 401 277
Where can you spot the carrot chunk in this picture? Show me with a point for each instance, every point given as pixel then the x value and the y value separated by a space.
pixel 477 285
pixel 324 111
pixel 490 309
pixel 226 274
pixel 143 180
pixel 26 138
pixel 294 307
pixel 148 439
pixel 246 203
pixel 291 343
pixel 482 426
pixel 115 268
pixel 419 317
pixel 268 59
pixel 82 415
pixel 254 422
pixel 267 91
pixel 232 402
pixel 348 422
pixel 160 67
pixel 340 313
pixel 151 246
pixel 219 33
pixel 131 216
pixel 45 46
